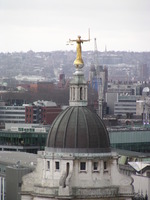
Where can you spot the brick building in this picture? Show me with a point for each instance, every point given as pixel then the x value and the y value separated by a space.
pixel 41 113
pixel 32 114
pixel 48 114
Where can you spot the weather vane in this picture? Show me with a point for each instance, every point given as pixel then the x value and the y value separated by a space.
pixel 79 61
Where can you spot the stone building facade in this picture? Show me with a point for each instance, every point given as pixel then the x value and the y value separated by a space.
pixel 77 162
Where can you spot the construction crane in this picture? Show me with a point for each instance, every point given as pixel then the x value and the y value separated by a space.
pixel 98 80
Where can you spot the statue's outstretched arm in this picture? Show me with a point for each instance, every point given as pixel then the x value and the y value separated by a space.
pixel 86 40
pixel 72 40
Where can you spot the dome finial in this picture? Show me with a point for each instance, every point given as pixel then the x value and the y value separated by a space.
pixel 79 61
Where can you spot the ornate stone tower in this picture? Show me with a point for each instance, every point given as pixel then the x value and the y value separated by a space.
pixel 77 162
pixel 78 89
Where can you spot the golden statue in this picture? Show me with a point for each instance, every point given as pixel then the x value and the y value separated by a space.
pixel 78 61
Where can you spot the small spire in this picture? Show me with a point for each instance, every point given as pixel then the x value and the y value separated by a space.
pixel 105 49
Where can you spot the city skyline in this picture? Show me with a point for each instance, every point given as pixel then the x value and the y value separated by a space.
pixel 47 25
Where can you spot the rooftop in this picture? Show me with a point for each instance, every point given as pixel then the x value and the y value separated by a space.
pixel 18 158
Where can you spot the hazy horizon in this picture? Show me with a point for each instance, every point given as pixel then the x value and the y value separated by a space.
pixel 73 51
pixel 47 25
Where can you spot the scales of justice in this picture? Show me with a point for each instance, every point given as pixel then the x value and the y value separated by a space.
pixel 79 61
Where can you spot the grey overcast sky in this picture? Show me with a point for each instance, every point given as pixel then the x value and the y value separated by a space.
pixel 46 25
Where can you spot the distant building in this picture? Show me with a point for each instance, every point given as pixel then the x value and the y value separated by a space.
pixel 111 98
pixel 125 105
pixel 45 86
pixel 61 79
pixel 14 165
pixel 12 114
pixel 141 177
pixel 137 165
pixel 32 137
pixel 143 109
pixel 122 87
pixel 130 138
pixel 116 91
pixel 37 86
pixel 143 72
pixel 33 87
pixel 140 107
pixel 110 59
pixel 31 78
pixel 48 114
pixel 32 114
pixel 121 105
pixel 23 137
pixel 42 112
pixel 98 79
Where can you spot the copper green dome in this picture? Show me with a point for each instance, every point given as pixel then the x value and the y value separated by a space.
pixel 79 128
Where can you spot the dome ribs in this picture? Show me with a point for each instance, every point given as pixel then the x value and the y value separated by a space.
pixel 85 119
pixel 94 118
pixel 82 141
pixel 79 129
pixel 66 128
pixel 48 141
pixel 57 130
pixel 102 127
pixel 76 128
pixel 94 136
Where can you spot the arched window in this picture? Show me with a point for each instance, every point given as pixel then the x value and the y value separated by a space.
pixel 67 168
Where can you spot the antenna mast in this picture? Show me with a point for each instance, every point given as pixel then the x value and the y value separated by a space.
pixel 95 54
